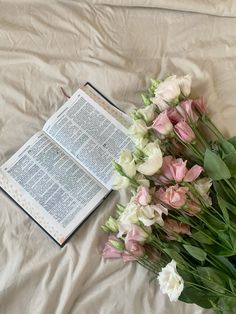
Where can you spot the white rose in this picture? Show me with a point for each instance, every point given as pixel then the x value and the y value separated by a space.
pixel 138 129
pixel 148 113
pixel 152 214
pixel 170 281
pixel 160 103
pixel 120 182
pixel 168 90
pixel 185 84
pixel 127 218
pixel 153 162
pixel 127 163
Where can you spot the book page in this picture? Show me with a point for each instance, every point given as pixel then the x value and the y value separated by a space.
pixel 119 115
pixel 89 134
pixel 51 186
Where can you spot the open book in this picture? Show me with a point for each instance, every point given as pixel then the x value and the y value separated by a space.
pixel 64 171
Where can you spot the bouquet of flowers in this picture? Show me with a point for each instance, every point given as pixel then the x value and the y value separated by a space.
pixel 180 222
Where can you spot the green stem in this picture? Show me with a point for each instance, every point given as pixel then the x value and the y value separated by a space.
pixel 230 185
pixel 216 130
pixel 194 150
pixel 205 234
pixel 211 290
pixel 145 265
pixel 201 139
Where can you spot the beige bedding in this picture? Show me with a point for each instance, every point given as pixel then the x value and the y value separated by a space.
pixel 117 46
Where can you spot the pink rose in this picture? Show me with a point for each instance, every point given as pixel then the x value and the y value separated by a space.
pixel 175 170
pixel 174 116
pixel 136 233
pixel 166 175
pixel 193 173
pixel 162 123
pixel 184 132
pixel 134 247
pixel 172 169
pixel 186 110
pixel 178 169
pixel 142 196
pixel 174 196
pixel 200 105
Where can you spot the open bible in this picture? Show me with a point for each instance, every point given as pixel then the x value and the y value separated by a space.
pixel 64 171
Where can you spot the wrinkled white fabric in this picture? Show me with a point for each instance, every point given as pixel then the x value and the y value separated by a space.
pixel 117 46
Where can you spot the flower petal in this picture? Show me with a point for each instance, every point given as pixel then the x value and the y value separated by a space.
pixel 193 173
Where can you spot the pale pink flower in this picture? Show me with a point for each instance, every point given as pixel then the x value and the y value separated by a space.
pixel 174 116
pixel 162 123
pixel 200 105
pixel 127 257
pixel 142 197
pixel 178 169
pixel 193 173
pixel 174 196
pixel 185 108
pixel 184 132
pixel 134 247
pixel 175 170
pixel 192 208
pixel 109 251
pixel 166 174
pixel 173 226
pixel 136 233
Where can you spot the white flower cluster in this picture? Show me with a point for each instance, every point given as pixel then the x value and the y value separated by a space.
pixel 169 90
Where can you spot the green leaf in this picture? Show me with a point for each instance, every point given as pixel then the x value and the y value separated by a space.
pixel 223 209
pixel 232 140
pixel 196 252
pixel 186 275
pixel 146 99
pixel 233 239
pixel 213 279
pixel 218 250
pixel 227 265
pixel 225 192
pixel 229 206
pixel 215 166
pixel 184 219
pixel 227 305
pixel 201 237
pixel 175 256
pixel 225 239
pixel 216 223
pixel 226 147
pixel 232 285
pixel 198 296
pixel 230 161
